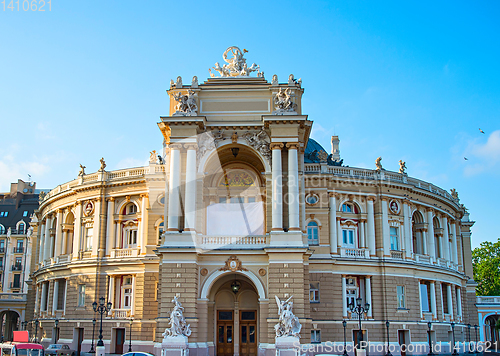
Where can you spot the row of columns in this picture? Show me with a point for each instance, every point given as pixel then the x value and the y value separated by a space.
pixel 449 300
pixel 43 293
pixel 173 213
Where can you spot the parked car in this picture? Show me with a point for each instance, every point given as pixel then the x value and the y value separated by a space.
pixel 59 349
pixel 137 353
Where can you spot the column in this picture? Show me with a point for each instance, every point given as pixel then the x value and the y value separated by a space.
pixel 111 290
pixel 440 244
pixel 339 233
pixel 446 239
pixel 65 295
pixel 27 256
pixel 7 262
pixel 110 227
pixel 58 238
pixel 190 196
pixel 96 227
pixel 134 293
pixel 424 241
pixel 64 242
pixel 385 229
pixel 433 299
pixel 42 242
pixel 430 236
pixel 333 223
pixel 407 229
pixel 43 304
pixel 77 233
pixel 46 247
pixel 118 237
pixel 37 299
pixel 144 224
pixel 454 248
pixel 277 198
pixel 362 233
pixel 371 225
pixel 368 295
pixel 459 302
pixel 344 298
pixel 54 296
pixel 302 195
pixel 174 182
pixel 420 298
pixel 449 300
pixel 293 187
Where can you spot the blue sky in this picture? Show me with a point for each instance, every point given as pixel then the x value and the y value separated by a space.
pixel 411 81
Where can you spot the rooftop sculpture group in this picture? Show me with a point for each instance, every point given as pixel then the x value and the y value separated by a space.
pixel 283 103
pixel 186 104
pixel 236 65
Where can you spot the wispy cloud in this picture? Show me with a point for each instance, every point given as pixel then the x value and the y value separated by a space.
pixel 483 156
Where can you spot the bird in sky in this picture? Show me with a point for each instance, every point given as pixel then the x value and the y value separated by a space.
pixel 481 131
pixel 466 158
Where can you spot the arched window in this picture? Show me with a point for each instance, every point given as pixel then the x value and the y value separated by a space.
pixel 312 233
pixel 347 208
pixel 21 228
pixel 417 233
pixel 2 230
pixel 130 209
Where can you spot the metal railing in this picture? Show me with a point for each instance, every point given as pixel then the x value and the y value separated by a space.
pixel 16 267
pixel 488 299
pixel 18 250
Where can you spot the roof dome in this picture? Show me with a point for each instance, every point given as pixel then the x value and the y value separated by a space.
pixel 313 154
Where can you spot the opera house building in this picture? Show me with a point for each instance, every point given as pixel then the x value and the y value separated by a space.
pixel 241 207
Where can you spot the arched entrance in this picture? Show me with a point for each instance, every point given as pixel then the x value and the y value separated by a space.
pixel 234 315
pixel 9 320
pixel 491 331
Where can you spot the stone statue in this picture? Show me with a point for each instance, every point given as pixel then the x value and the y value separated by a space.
pixel 178 82
pixel 41 196
pixel 234 137
pixel 172 84
pixel 378 164
pixel 236 65
pixel 9 232
pixel 260 142
pixel 82 171
pixel 178 325
pixel 402 167
pixel 30 232
pixel 152 156
pixel 454 193
pixel 186 104
pixel 289 324
pixel 194 82
pixel 274 81
pixel 283 102
pixel 103 164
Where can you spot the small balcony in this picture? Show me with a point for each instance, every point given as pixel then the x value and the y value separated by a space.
pixel 213 242
pixel 17 267
pixel 120 313
pixel 397 254
pixel 15 285
pixel 423 259
pixel 124 252
pixel 354 252
pixel 18 250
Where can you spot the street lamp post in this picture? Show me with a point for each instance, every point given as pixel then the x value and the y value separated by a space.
pixel 344 324
pixel 36 330
pixel 101 308
pixel 388 353
pixel 475 345
pixel 130 336
pixel 359 310
pixel 56 325
pixel 92 351
pixel 429 326
pixel 455 353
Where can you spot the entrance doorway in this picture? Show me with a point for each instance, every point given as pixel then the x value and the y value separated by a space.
pixel 119 340
pixel 248 333
pixel 225 331
pixel 79 337
pixel 403 339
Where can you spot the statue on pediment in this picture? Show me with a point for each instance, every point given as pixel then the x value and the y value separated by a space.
pixel 186 104
pixel 236 64
pixel 402 167
pixel 283 103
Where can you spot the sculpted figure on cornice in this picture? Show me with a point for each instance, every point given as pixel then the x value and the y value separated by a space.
pixel 260 142
pixel 378 164
pixel 402 167
pixel 454 193
pixel 236 65
pixel 283 102
pixel 41 196
pixel 186 104
pixel 208 141
pixel 82 171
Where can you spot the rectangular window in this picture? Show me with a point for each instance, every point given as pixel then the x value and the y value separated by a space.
pixel 251 199
pixel 16 281
pixel 1 214
pixel 314 292
pixel 236 200
pixel 132 238
pixel 25 213
pixel 6 213
pixel 424 300
pixel 81 295
pixel 19 244
pixel 19 263
pixel 401 297
pixel 88 238
pixel 394 239
pixel 351 290
pixel 315 336
pixel 222 200
pixel 348 238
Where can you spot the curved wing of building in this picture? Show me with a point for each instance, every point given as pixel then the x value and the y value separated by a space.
pixel 243 206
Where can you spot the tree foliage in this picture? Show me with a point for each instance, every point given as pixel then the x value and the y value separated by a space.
pixel 486 267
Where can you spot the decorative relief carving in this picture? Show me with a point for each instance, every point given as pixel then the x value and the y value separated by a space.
pixel 394 207
pixel 208 141
pixel 233 264
pixel 260 142
pixel 262 272
pixel 283 103
pixel 204 272
pixel 88 208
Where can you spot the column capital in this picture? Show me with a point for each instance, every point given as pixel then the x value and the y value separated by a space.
pixel 78 202
pixel 429 210
pixel 371 198
pixel 383 198
pixel 59 211
pixel 110 199
pixel 191 146
pixel 144 195
pixel 293 145
pixel 175 146
pixel 368 276
pixel 339 218
pixel 363 220
pixel 276 145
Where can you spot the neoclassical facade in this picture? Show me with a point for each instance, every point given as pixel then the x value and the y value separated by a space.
pixel 243 206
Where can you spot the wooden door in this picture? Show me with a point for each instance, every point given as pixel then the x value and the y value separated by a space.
pixel 225 333
pixel 402 341
pixel 119 340
pixel 248 333
pixel 80 340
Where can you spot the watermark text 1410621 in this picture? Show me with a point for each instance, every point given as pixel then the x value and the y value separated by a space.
pixel 26 5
